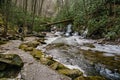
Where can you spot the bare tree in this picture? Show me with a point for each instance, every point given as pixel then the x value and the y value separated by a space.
pixel 40 7
pixel 6 12
pixel 34 11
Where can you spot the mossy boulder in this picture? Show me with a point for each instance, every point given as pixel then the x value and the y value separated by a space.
pixel 23 46
pixel 37 53
pixel 90 78
pixel 11 59
pixel 10 65
pixel 72 73
pixel 46 61
pixel 57 66
pixel 29 45
pixel 29 49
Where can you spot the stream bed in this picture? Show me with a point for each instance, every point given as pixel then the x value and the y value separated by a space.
pixel 87 55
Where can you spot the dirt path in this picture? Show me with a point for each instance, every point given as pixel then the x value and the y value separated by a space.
pixel 32 70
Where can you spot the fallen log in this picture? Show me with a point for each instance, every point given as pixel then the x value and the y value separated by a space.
pixel 63 21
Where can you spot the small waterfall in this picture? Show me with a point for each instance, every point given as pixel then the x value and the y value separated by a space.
pixel 84 34
pixel 69 30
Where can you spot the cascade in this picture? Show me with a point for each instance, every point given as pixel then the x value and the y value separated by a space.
pixel 69 30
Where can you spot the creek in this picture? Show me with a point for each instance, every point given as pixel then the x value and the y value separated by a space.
pixel 87 55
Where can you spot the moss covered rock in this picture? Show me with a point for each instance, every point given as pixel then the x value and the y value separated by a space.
pixel 72 73
pixel 46 61
pixel 29 45
pixel 29 49
pixel 10 65
pixel 90 78
pixel 11 59
pixel 57 66
pixel 23 46
pixel 37 53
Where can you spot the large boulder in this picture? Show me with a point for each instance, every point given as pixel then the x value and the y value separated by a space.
pixel 11 59
pixel 10 65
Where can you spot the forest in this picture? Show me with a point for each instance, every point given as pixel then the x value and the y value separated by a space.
pixel 59 39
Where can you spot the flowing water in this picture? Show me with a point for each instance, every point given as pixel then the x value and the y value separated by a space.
pixel 84 54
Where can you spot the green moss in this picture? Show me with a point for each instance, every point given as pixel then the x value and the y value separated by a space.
pixel 32 43
pixel 29 49
pixel 72 73
pixel 58 66
pixel 37 54
pixel 29 45
pixel 46 61
pixel 23 46
pixel 90 78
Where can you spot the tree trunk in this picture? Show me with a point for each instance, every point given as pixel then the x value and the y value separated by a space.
pixel 40 8
pixel 34 11
pixel 7 5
